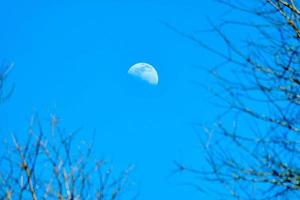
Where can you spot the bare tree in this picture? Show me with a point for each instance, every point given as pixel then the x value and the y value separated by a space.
pixel 47 165
pixel 253 149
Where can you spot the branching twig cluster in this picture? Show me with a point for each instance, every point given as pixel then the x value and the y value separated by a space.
pixel 48 165
pixel 253 150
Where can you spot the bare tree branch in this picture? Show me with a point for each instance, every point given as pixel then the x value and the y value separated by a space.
pixel 253 149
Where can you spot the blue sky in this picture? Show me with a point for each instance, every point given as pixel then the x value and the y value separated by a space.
pixel 71 58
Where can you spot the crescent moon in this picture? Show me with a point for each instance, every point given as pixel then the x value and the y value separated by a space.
pixel 145 72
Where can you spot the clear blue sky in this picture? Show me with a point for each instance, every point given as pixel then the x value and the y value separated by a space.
pixel 71 58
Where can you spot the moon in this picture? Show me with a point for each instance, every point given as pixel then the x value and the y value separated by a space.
pixel 145 72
